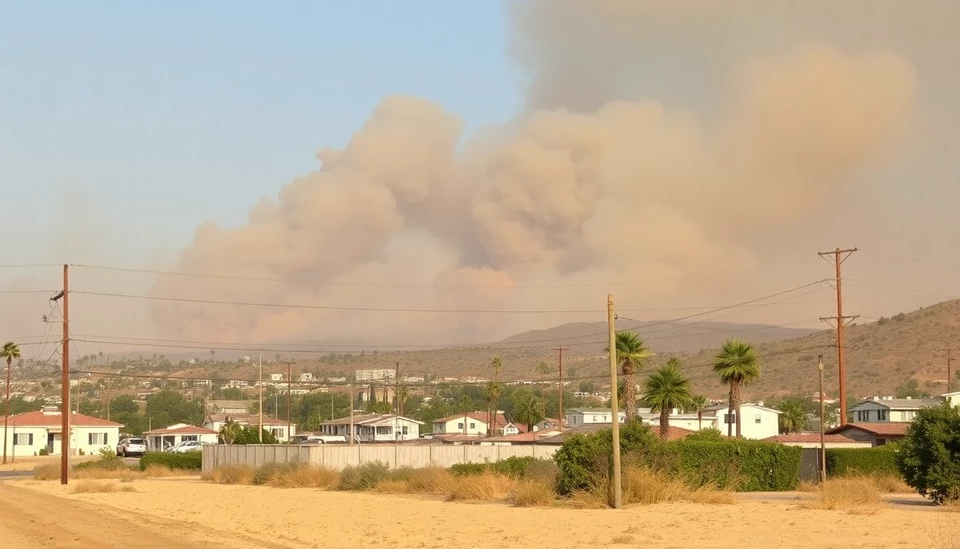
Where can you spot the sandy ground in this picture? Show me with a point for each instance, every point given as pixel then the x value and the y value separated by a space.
pixel 200 514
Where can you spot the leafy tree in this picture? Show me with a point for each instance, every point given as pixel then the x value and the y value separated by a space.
pixel 929 456
pixel 736 364
pixel 587 387
pixel 793 414
pixel 910 388
pixel 666 389
pixel 544 370
pixel 247 434
pixel 230 393
pixel 167 407
pixel 631 355
pixel 379 407
pixel 528 408
pixel 698 403
pixel 230 432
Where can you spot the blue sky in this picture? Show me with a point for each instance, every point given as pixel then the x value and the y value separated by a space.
pixel 142 120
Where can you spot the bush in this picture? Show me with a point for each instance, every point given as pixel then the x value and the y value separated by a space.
pixel 47 471
pixel 583 456
pixel 363 477
pixel 929 456
pixel 857 495
pixel 532 493
pixel 108 464
pixel 488 486
pixel 94 487
pixel 189 461
pixel 232 474
pixel 862 461
pixel 514 467
pixel 44 452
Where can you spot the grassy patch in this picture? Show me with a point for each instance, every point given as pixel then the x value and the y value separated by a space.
pixel 486 487
pixel 304 476
pixel 856 495
pixel 104 474
pixel 47 471
pixel 532 493
pixel 363 477
pixel 94 487
pixel 231 474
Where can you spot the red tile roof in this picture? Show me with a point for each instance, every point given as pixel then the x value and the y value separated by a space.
pixel 53 419
pixel 879 429
pixel 185 430
pixel 674 433
pixel 811 437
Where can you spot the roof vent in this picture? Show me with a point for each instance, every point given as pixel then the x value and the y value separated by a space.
pixel 50 410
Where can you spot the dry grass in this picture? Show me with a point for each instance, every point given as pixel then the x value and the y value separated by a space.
pixel 588 500
pixel 306 476
pixel 807 486
pixel 645 486
pixel 486 487
pixel 127 488
pixel 856 495
pixel 891 484
pixel 951 506
pixel 231 474
pixel 160 471
pixel 532 493
pixel 105 474
pixel 95 487
pixel 47 471
pixel 431 480
pixel 623 539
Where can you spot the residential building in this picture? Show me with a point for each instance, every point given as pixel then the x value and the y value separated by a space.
pixel 889 409
pixel 306 376
pixel 276 377
pixel 375 375
pixel 953 399
pixel 159 439
pixel 374 428
pixel 229 406
pixel 548 424
pixel 30 432
pixel 475 424
pixel 877 434
pixel 273 425
pixel 757 421
pixel 584 416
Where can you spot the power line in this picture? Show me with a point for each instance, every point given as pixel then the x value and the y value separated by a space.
pixel 29 265
pixel 27 291
pixel 366 284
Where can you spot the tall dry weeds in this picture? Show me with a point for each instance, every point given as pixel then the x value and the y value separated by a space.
pixel 94 487
pixel 856 495
pixel 489 486
pixel 532 493
pixel 231 474
pixel 306 476
pixel 47 471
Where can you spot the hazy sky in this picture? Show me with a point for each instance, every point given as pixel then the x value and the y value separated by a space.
pixel 711 147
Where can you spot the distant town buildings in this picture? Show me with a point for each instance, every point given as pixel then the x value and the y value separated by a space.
pixel 375 375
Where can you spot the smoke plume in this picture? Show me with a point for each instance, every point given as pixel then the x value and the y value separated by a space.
pixel 604 176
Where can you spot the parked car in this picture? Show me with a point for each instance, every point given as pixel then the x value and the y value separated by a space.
pixel 186 446
pixel 131 447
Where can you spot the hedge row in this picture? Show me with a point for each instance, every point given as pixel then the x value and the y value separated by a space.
pixel 743 465
pixel 866 461
pixel 186 460
pixel 516 467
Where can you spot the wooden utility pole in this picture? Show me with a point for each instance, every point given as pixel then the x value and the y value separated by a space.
pixel 260 386
pixel 6 416
pixel 840 322
pixel 614 406
pixel 823 419
pixel 289 380
pixel 950 360
pixel 560 351
pixel 351 415
pixel 396 412
pixel 65 378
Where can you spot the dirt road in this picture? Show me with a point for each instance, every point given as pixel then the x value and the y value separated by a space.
pixel 30 519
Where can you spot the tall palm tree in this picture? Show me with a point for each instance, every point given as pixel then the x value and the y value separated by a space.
pixel 737 364
pixel 494 392
pixel 666 389
pixel 528 409
pixel 631 355
pixel 793 415
pixel 698 404
pixel 10 351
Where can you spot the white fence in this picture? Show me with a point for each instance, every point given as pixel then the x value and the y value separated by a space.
pixel 343 455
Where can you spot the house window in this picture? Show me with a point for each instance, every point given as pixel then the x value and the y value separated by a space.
pixel 883 415
pixel 96 439
pixel 729 418
pixel 596 419
pixel 460 426
pixel 404 429
pixel 757 419
pixel 473 425
pixel 277 432
pixel 186 438
pixel 23 439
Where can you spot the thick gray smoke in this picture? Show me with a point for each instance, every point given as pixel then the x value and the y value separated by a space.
pixel 606 176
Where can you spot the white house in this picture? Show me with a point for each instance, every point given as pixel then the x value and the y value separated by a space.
pixel 374 428
pixel 158 439
pixel 897 410
pixel 375 374
pixel 474 423
pixel 584 416
pixel 757 422
pixel 30 432
pixel 306 376
pixel 229 406
pixel 276 377
pixel 275 426
pixel 953 399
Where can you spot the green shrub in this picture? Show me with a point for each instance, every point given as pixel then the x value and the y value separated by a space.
pixel 706 435
pixel 862 461
pixel 743 465
pixel 185 461
pixel 110 464
pixel 582 457
pixel 468 469
pixel 929 456
pixel 514 467
pixel 363 477
pixel 44 452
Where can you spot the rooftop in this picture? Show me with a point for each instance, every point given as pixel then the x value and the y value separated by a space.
pixel 248 419
pixel 902 403
pixel 370 419
pixel 46 418
pixel 880 429
pixel 181 429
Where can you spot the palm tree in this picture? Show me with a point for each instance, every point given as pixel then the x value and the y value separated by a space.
pixel 402 394
pixel 528 409
pixel 698 404
pixel 230 431
pixel 666 389
pixel 543 369
pixel 494 391
pixel 793 416
pixel 631 354
pixel 10 351
pixel 737 364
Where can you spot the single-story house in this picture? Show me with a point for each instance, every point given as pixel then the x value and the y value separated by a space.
pixel 229 406
pixel 757 421
pixel 812 440
pixel 475 424
pixel 673 433
pixel 585 416
pixel 159 439
pixel 30 432
pixel 877 434
pixel 889 409
pixel 272 425
pixel 374 428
